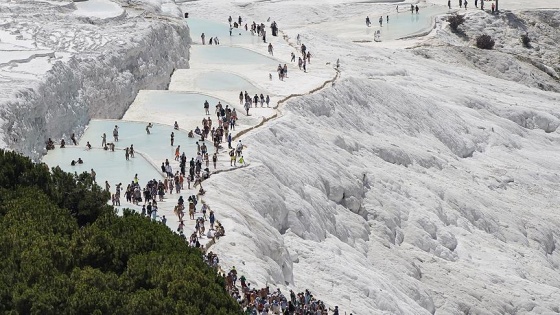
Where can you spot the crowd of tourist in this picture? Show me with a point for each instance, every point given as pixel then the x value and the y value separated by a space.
pixel 263 301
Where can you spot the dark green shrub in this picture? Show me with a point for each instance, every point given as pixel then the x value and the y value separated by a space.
pixel 526 41
pixel 485 42
pixel 455 21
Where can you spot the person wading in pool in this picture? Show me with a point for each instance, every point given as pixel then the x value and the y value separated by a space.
pixel 116 133
pixel 207 107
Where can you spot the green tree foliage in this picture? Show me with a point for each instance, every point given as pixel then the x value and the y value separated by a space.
pixel 77 193
pixel 64 251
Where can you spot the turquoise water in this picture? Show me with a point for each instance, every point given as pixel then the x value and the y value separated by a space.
pixel 405 24
pixel 157 145
pixel 177 103
pixel 110 166
pixel 229 55
pixel 224 81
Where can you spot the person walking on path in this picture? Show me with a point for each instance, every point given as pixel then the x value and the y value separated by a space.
pixel 232 158
pixel 270 49
pixel 247 105
pixel 103 140
pixel 239 148
pixel 203 39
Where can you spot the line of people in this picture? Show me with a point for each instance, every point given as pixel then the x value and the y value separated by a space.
pixel 263 301
pixel 213 40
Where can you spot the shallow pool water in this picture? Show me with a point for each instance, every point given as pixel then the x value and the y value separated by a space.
pixel 221 30
pixel 175 103
pixel 224 81
pixel 110 166
pixel 406 24
pixel 157 144
pixel 229 55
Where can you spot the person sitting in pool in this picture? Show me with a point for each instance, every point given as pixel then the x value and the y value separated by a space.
pixel 105 147
pixel 73 163
pixel 88 145
pixel 50 144
pixel 62 143
pixel 197 131
pixel 176 126
pixel 191 134
pixel 80 161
